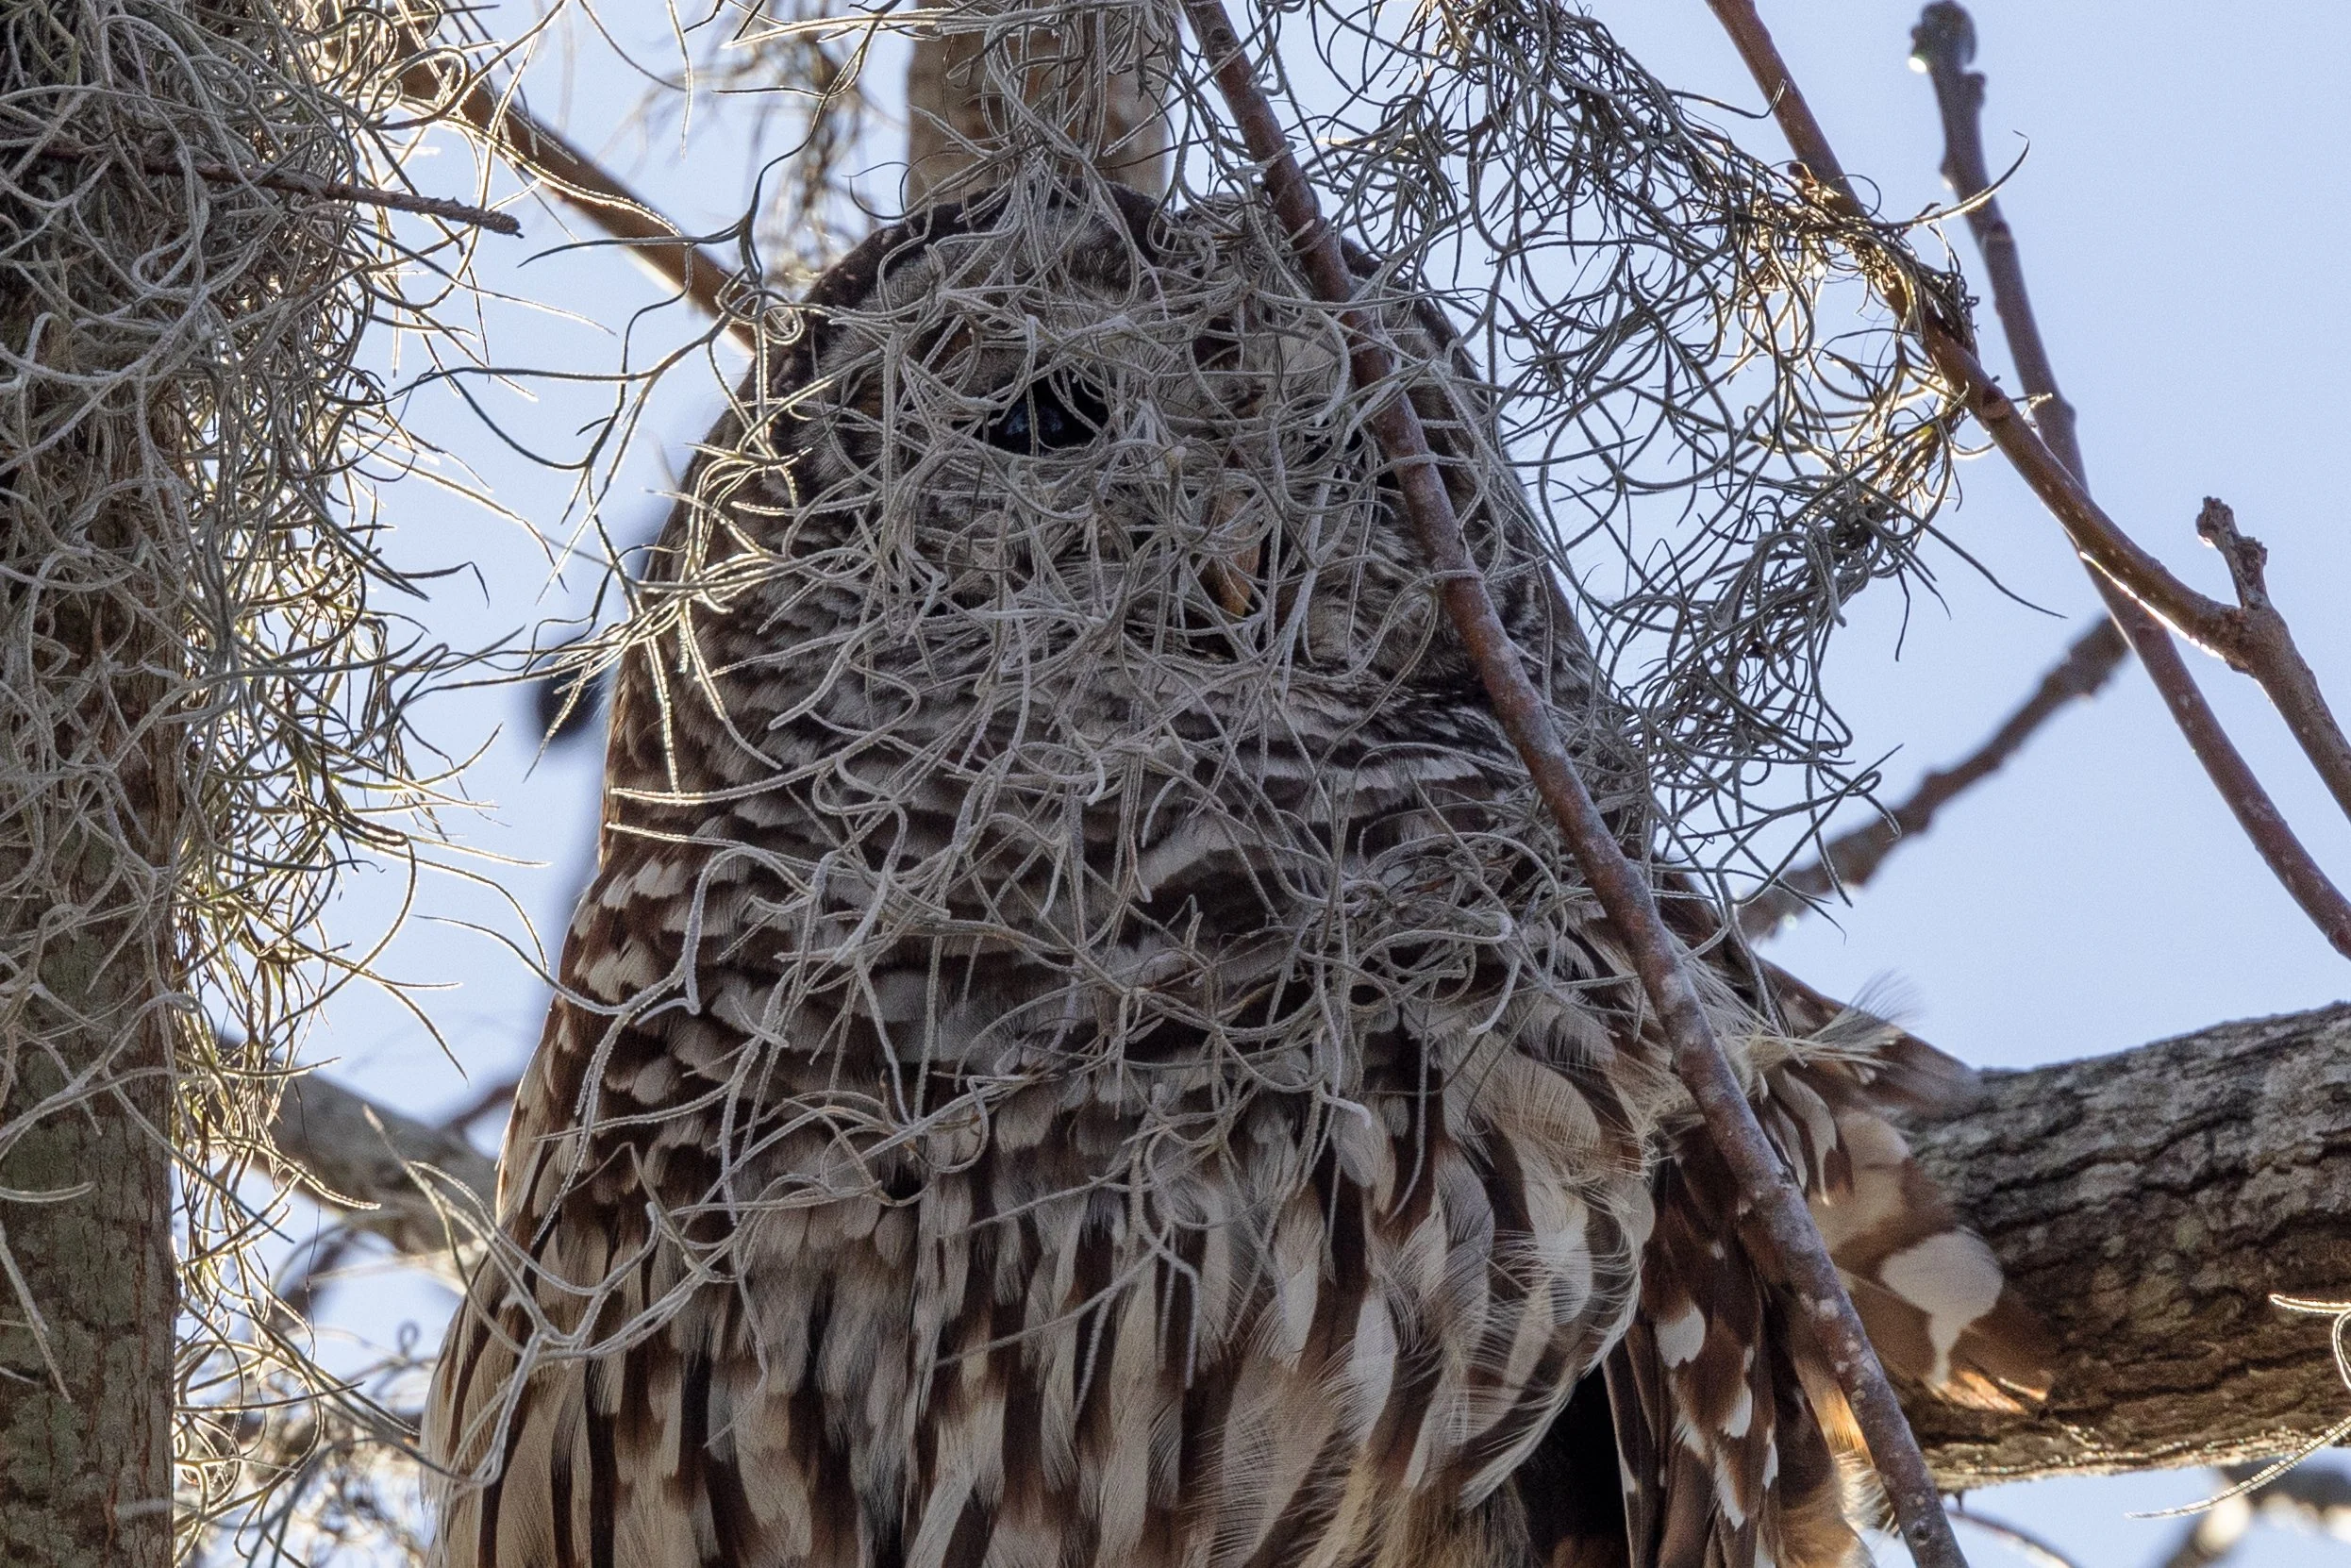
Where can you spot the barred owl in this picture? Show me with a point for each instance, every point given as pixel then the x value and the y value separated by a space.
pixel 1083 1049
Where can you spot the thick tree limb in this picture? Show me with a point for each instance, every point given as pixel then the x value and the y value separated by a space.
pixel 2148 1204
pixel 351 1154
pixel 951 102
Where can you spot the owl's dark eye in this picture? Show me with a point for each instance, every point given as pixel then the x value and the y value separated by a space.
pixel 1050 415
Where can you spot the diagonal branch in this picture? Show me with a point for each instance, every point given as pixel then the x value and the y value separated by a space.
pixel 563 170
pixel 357 1157
pixel 1624 893
pixel 352 1153
pixel 2250 635
pixel 1943 42
pixel 1852 859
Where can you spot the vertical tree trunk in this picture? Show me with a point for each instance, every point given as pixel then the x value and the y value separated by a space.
pixel 1097 79
pixel 92 570
pixel 85 1039
pixel 87 829
pixel 85 1445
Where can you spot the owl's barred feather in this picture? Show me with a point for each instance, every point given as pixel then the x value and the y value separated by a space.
pixel 1082 1049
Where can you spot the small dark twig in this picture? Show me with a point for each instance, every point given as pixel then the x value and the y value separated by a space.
pixel 292 181
pixel 1945 43
pixel 2247 558
pixel 1624 892
pixel 494 1096
pixel 2020 1539
pixel 2253 639
pixel 302 1295
pixel 1852 859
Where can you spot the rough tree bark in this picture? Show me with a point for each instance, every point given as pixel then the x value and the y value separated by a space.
pixel 2150 1203
pixel 176 285
pixel 89 831
pixel 87 1384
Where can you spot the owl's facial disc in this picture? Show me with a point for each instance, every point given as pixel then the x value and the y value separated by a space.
pixel 1063 409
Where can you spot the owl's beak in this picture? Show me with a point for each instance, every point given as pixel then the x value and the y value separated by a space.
pixel 1232 578
pixel 1229 577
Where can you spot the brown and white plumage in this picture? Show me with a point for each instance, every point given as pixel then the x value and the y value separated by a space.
pixel 1081 1048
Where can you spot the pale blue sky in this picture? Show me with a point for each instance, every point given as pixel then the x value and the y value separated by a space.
pixel 2183 213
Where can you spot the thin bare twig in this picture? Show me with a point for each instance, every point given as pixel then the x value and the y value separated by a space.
pixel 563 170
pixel 305 1290
pixel 2019 1538
pixel 498 1094
pixel 294 182
pixel 2250 637
pixel 1624 892
pixel 1945 43
pixel 1852 859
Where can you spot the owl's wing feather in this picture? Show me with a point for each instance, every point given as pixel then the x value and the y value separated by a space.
pixel 1742 1474
pixel 1932 1296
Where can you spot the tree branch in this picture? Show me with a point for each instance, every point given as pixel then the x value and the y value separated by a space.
pixel 548 158
pixel 2148 1204
pixel 294 181
pixel 1943 42
pixel 1852 859
pixel 1624 892
pixel 2250 637
pixel 350 1152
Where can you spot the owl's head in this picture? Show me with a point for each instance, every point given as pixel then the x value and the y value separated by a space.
pixel 1117 441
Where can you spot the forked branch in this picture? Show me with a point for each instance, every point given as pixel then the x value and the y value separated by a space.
pixel 1943 42
pixel 2250 635
pixel 1623 889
